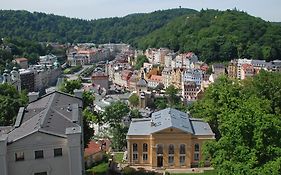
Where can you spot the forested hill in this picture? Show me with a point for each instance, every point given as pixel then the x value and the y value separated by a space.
pixel 48 27
pixel 211 34
pixel 219 36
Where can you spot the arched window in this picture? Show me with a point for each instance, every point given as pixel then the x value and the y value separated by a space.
pixel 135 147
pixel 171 149
pixel 144 147
pixel 196 152
pixel 144 152
pixel 159 149
pixel 135 152
pixel 182 149
pixel 171 152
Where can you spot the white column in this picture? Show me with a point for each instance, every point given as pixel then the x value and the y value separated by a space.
pixel 3 154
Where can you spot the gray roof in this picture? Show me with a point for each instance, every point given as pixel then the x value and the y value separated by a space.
pixel 50 114
pixel 142 82
pixel 169 118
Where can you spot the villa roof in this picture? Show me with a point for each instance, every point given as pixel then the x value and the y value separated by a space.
pixel 50 114
pixel 169 118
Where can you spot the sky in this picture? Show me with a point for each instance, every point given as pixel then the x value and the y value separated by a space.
pixel 269 10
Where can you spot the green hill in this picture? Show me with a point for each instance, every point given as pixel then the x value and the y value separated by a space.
pixel 49 27
pixel 219 36
pixel 213 35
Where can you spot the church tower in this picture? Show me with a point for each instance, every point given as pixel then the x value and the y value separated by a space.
pixel 142 91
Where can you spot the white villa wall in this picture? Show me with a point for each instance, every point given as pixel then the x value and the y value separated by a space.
pixel 30 165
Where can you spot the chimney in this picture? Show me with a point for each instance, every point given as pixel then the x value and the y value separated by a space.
pixel 32 96
pixel 78 93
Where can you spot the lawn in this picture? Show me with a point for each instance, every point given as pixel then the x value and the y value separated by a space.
pixel 100 169
pixel 208 172
pixel 118 157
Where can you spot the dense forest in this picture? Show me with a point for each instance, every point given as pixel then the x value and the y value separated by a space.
pixel 219 36
pixel 48 27
pixel 213 35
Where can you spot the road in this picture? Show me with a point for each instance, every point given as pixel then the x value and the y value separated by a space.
pixel 76 75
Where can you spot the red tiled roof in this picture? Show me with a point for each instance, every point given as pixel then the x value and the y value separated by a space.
pixel 247 66
pixel 86 51
pixel 92 148
pixel 156 78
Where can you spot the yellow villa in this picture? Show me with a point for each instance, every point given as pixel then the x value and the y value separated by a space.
pixel 169 139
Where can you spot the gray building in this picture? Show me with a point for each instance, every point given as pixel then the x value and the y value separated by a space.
pixel 47 138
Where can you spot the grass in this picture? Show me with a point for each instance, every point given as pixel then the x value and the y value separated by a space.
pixel 207 172
pixel 100 169
pixel 118 157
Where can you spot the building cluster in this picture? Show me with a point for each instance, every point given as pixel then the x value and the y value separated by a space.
pixel 164 68
pixel 33 77
pixel 243 68
pixel 82 54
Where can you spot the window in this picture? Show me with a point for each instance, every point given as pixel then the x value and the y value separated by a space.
pixel 145 150
pixel 144 147
pixel 196 156
pixel 182 154
pixel 196 152
pixel 39 154
pixel 135 147
pixel 171 152
pixel 159 149
pixel 135 151
pixel 171 160
pixel 171 149
pixel 57 152
pixel 135 156
pixel 182 149
pixel 182 160
pixel 196 147
pixel 19 156
pixel 144 156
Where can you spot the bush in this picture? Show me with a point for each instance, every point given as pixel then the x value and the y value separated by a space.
pixel 129 171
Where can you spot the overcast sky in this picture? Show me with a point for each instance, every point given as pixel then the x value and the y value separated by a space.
pixel 269 10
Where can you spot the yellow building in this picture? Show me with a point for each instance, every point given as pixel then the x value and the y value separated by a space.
pixel 177 77
pixel 169 139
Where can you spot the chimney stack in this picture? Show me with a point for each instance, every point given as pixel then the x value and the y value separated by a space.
pixel 32 96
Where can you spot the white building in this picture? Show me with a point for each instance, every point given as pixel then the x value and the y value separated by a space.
pixel 47 59
pixel 193 75
pixel 167 77
pixel 47 138
pixel 239 65
pixel 154 81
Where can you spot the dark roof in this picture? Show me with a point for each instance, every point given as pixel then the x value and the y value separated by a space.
pixel 169 118
pixel 50 114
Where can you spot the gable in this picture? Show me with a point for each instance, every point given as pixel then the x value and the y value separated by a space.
pixel 172 131
pixel 37 139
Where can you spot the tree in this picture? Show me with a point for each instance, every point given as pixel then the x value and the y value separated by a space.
pixel 247 128
pixel 118 140
pixel 114 114
pixel 10 102
pixel 140 60
pixel 172 92
pixel 134 100
pixel 88 99
pixel 135 113
pixel 70 85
